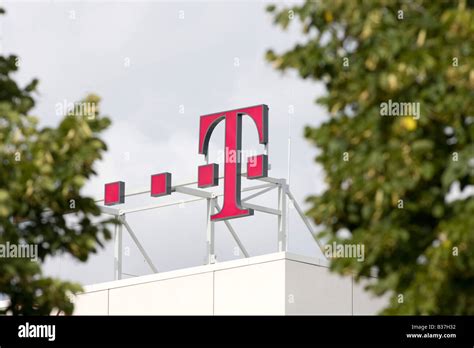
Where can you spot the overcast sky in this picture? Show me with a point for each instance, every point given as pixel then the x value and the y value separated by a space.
pixel 146 62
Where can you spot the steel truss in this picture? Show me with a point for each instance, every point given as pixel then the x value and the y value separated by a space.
pixel 284 198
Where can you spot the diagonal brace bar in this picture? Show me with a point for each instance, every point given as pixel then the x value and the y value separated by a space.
pixel 261 209
pixel 234 235
pixel 256 194
pixel 193 192
pixel 304 218
pixel 137 242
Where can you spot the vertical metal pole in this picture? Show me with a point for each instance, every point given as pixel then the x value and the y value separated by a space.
pixel 286 207
pixel 282 218
pixel 118 251
pixel 211 257
pixel 289 149
pixel 266 151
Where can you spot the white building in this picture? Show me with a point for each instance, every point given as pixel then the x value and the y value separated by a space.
pixel 274 284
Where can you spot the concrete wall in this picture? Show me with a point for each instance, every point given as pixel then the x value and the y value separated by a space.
pixel 274 284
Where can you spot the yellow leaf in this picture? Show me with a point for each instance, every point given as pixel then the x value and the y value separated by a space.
pixel 277 63
pixel 364 95
pixel 70 134
pixel 328 16
pixel 335 108
pixel 4 195
pixel 420 41
pixel 370 64
pixel 392 81
pixel 409 123
pixel 4 211
pixel 366 31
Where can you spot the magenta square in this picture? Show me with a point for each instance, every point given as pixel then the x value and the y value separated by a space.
pixel 208 175
pixel 257 167
pixel 114 193
pixel 160 184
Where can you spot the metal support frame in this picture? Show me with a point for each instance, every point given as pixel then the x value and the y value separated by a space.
pixel 305 219
pixel 118 251
pixel 137 242
pixel 282 218
pixel 284 197
pixel 234 235
pixel 269 188
pixel 118 238
pixel 210 236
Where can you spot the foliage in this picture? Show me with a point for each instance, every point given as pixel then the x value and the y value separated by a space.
pixel 42 171
pixel 391 192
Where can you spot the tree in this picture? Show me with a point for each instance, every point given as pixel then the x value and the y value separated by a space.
pixel 389 178
pixel 42 171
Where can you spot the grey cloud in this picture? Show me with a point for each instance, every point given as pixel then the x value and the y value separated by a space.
pixel 173 62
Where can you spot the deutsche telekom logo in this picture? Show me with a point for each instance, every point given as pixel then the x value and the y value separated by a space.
pixel 208 174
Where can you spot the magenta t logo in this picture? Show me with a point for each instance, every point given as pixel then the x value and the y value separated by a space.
pixel 256 167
